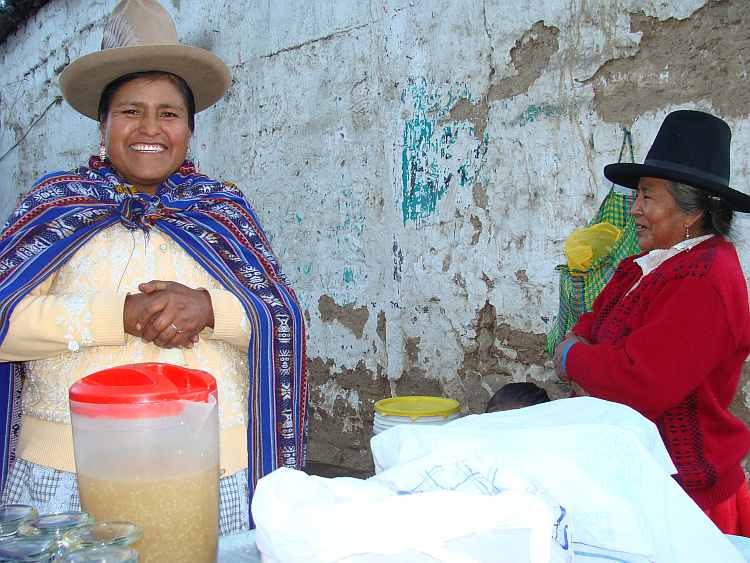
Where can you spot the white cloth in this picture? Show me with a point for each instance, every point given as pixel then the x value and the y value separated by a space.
pixel 603 462
pixel 456 513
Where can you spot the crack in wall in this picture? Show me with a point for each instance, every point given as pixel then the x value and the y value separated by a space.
pixel 328 37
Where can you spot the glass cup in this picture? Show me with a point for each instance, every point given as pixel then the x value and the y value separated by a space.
pixel 54 526
pixel 38 549
pixel 11 516
pixel 102 534
pixel 108 554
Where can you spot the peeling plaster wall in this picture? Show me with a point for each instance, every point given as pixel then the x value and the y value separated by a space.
pixel 417 165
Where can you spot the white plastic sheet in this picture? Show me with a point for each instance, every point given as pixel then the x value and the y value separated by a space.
pixel 571 480
pixel 603 462
pixel 457 513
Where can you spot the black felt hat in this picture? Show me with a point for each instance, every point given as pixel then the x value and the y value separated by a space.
pixel 692 148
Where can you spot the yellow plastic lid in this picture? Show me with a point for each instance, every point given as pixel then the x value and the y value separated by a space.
pixel 414 407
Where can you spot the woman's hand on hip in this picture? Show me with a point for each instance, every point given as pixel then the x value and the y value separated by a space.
pixel 171 315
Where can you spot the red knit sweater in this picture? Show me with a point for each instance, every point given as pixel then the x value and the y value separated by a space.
pixel 673 350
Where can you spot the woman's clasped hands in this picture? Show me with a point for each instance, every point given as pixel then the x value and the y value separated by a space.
pixel 558 362
pixel 169 314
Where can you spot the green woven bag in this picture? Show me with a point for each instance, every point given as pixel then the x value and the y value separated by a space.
pixel 578 289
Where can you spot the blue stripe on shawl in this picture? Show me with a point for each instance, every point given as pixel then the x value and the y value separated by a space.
pixel 7 388
pixel 215 224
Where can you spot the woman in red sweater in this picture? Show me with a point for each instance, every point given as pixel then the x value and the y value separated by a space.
pixel 671 330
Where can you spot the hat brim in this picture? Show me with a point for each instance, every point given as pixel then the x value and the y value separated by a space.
pixel 628 175
pixel 83 80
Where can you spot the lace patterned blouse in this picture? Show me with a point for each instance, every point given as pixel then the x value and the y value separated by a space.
pixel 71 325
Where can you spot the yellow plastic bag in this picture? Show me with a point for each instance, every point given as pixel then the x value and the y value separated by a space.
pixel 585 246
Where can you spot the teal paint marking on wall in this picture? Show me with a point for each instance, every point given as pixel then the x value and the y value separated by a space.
pixel 422 188
pixel 432 155
pixel 534 112
pixel 343 232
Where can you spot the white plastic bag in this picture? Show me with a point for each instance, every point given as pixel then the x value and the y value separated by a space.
pixel 602 461
pixel 456 513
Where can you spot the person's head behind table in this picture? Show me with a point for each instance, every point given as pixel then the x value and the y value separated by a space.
pixel 515 396
pixel 144 88
pixel 683 185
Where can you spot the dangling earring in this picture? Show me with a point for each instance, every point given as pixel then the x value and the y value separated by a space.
pixel 189 154
pixel 687 234
pixel 102 152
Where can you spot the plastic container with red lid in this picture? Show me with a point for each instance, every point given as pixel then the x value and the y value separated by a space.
pixel 148 390
pixel 146 443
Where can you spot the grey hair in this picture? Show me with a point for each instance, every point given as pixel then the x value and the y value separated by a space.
pixel 717 212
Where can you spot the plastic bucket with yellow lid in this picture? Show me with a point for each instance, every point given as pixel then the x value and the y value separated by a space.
pixel 414 410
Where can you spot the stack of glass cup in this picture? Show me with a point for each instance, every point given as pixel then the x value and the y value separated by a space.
pixel 64 537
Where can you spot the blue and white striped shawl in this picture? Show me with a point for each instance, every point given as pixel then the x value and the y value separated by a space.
pixel 215 224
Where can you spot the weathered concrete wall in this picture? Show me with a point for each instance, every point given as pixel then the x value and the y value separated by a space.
pixel 417 164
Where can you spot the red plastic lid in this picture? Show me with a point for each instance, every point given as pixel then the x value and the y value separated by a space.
pixel 151 389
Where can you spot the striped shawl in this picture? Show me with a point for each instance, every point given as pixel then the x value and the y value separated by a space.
pixel 215 224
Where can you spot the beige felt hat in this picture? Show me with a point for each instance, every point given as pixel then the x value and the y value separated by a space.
pixel 140 36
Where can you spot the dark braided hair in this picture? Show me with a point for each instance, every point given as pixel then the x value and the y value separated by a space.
pixel 517 395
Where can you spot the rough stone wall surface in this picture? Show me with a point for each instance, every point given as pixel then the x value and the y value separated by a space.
pixel 417 165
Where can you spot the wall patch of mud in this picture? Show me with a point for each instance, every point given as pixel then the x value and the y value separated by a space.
pixel 412 349
pixel 415 379
pixel 522 277
pixel 341 413
pixel 477 224
pixel 352 318
pixel 380 329
pixel 479 193
pixel 703 57
pixel 500 354
pixel 418 381
pixel 530 57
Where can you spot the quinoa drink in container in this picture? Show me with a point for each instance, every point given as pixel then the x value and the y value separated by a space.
pixel 146 442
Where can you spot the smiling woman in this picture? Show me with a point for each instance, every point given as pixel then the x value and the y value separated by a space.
pixel 137 257
pixel 659 222
pixel 670 332
pixel 146 130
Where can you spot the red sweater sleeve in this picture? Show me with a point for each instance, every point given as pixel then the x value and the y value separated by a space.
pixel 584 325
pixel 684 335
